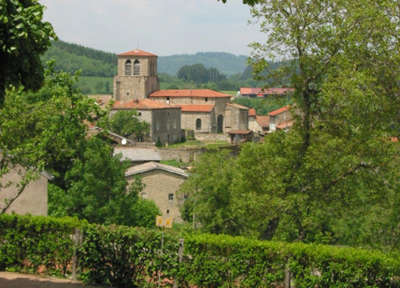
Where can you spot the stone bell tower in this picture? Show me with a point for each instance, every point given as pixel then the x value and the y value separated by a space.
pixel 136 76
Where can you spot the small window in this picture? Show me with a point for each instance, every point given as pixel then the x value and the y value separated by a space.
pixel 167 211
pixel 167 100
pixel 139 113
pixel 198 124
pixel 206 99
pixel 136 67
pixel 128 68
pixel 170 196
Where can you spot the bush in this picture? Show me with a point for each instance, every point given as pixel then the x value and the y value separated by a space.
pixel 122 256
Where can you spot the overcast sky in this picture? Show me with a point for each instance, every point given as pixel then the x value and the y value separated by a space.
pixel 164 27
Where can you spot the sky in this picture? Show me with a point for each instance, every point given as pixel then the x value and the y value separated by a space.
pixel 163 27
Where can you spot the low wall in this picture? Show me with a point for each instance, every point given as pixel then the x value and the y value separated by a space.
pixel 188 155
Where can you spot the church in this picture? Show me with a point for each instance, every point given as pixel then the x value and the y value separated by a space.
pixel 136 86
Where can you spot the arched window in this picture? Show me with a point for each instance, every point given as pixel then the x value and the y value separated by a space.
pixel 128 67
pixel 136 67
pixel 198 124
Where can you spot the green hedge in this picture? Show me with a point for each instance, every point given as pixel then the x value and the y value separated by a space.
pixel 131 257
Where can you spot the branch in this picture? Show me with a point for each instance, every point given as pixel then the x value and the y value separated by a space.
pixel 9 202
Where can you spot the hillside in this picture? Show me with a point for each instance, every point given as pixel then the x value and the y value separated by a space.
pixel 71 57
pixel 225 62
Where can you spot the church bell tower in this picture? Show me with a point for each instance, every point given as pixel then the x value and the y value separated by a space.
pixel 136 76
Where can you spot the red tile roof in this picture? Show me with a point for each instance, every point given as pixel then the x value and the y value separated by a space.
pixel 265 91
pixel 279 111
pixel 143 104
pixel 137 52
pixel 252 112
pixel 263 121
pixel 189 93
pixel 197 108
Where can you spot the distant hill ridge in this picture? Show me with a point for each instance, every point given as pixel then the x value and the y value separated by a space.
pixel 72 57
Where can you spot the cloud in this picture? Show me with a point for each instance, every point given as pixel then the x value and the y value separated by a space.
pixel 160 26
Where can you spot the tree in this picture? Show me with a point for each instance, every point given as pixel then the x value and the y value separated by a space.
pixel 126 123
pixel 199 74
pixel 96 190
pixel 23 38
pixel 44 130
pixel 338 162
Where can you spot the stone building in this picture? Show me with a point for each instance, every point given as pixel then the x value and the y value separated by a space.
pixel 202 110
pixel 32 200
pixel 164 120
pixel 161 184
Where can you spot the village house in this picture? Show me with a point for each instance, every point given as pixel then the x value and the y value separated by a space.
pixel 161 185
pixel 280 119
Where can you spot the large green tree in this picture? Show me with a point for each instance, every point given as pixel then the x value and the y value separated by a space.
pixel 320 181
pixel 24 36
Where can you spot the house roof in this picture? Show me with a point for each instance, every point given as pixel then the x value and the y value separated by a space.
pixel 151 166
pixel 238 106
pixel 252 112
pixel 143 104
pixel 279 111
pixel 189 93
pixel 197 108
pixel 265 91
pixel 240 132
pixel 136 52
pixel 135 154
pixel 263 121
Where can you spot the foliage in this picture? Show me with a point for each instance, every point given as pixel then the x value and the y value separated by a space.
pixel 72 58
pixel 23 38
pixel 199 74
pixel 126 123
pixel 121 256
pixel 334 177
pixel 29 243
pixel 47 130
pixel 52 133
pixel 208 193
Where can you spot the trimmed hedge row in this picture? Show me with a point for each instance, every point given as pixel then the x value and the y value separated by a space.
pixel 132 257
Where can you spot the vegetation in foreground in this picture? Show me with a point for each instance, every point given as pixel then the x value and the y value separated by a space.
pixel 206 260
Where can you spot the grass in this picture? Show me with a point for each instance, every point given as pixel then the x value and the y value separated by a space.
pixel 175 163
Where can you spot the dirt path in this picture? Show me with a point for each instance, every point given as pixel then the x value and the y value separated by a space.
pixel 17 280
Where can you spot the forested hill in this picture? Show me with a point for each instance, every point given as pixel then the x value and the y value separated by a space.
pixel 71 57
pixel 225 62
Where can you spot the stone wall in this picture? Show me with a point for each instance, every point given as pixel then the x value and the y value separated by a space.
pixel 207 121
pixel 166 125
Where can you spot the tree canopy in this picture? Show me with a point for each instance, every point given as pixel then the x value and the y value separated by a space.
pixel 24 36
pixel 334 177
